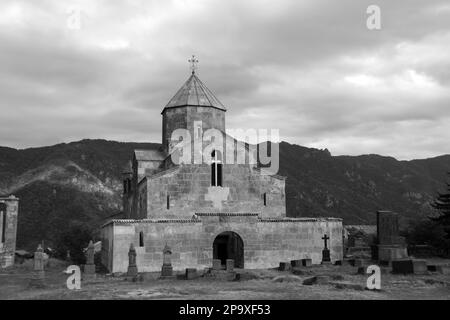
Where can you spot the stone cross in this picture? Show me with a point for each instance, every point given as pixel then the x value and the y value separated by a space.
pixel 132 256
pixel 38 275
pixel 132 268
pixel 193 61
pixel 39 259
pixel 325 238
pixel 90 253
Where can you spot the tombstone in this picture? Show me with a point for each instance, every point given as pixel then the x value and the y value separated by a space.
pixel 167 270
pixel 191 273
pixel 296 263
pixel 390 245
pixel 284 266
pixel 38 275
pixel 326 252
pixel 306 262
pixel 408 266
pixel 89 267
pixel 443 269
pixel 132 267
pixel 230 265
pixel 217 264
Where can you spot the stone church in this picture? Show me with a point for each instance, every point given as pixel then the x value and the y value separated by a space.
pixel 209 210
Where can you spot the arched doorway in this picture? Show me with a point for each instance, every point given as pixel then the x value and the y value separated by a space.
pixel 229 245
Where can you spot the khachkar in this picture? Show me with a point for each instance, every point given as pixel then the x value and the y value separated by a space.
pixel 89 267
pixel 390 245
pixel 166 270
pixel 38 275
pixel 132 272
pixel 9 209
pixel 326 252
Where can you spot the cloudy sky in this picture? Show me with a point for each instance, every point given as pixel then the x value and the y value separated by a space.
pixel 310 68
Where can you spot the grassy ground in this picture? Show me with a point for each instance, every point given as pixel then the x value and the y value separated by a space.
pixel 255 284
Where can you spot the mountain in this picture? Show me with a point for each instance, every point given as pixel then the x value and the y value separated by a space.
pixel 71 187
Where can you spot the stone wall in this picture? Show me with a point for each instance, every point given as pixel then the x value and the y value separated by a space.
pixel 189 190
pixel 266 241
pixel 185 117
pixel 8 230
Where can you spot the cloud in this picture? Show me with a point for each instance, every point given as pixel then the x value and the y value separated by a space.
pixel 310 68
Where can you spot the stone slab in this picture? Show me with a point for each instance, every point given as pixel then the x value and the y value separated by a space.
pixel 284 266
pixel 409 266
pixel 306 262
pixel 296 263
pixel 230 265
pixel 217 264
pixel 443 269
pixel 191 273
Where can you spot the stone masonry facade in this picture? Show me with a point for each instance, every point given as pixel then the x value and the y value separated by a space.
pixel 9 209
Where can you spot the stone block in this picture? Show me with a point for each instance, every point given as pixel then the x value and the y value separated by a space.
pixel 306 262
pixel 230 265
pixel 296 263
pixel 432 268
pixel 284 266
pixel 166 271
pixel 191 273
pixel 392 252
pixel 409 266
pixel 443 269
pixel 419 266
pixel 217 264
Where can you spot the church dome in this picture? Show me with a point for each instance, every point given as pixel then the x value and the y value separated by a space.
pixel 194 93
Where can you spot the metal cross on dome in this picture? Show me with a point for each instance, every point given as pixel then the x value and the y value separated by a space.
pixel 193 61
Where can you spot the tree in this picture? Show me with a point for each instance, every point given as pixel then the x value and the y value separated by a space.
pixel 442 205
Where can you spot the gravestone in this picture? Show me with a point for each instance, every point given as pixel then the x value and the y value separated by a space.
pixel 132 267
pixel 284 266
pixel 217 264
pixel 443 269
pixel 408 266
pixel 191 273
pixel 167 270
pixel 390 245
pixel 89 267
pixel 326 252
pixel 38 275
pixel 230 265
pixel 306 262
pixel 296 263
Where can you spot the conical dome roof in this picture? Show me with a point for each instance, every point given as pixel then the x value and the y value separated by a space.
pixel 194 93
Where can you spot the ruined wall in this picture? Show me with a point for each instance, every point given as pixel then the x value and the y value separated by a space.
pixel 266 243
pixel 189 190
pixel 8 230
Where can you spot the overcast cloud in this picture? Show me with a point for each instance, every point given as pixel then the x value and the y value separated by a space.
pixel 310 68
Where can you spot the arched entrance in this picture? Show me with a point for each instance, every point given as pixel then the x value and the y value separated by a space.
pixel 229 245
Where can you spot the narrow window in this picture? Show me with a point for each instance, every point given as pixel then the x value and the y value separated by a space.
pixel 3 217
pixel 168 202
pixel 265 198
pixel 141 239
pixel 216 169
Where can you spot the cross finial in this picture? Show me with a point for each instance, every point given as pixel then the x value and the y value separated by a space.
pixel 325 238
pixel 193 61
